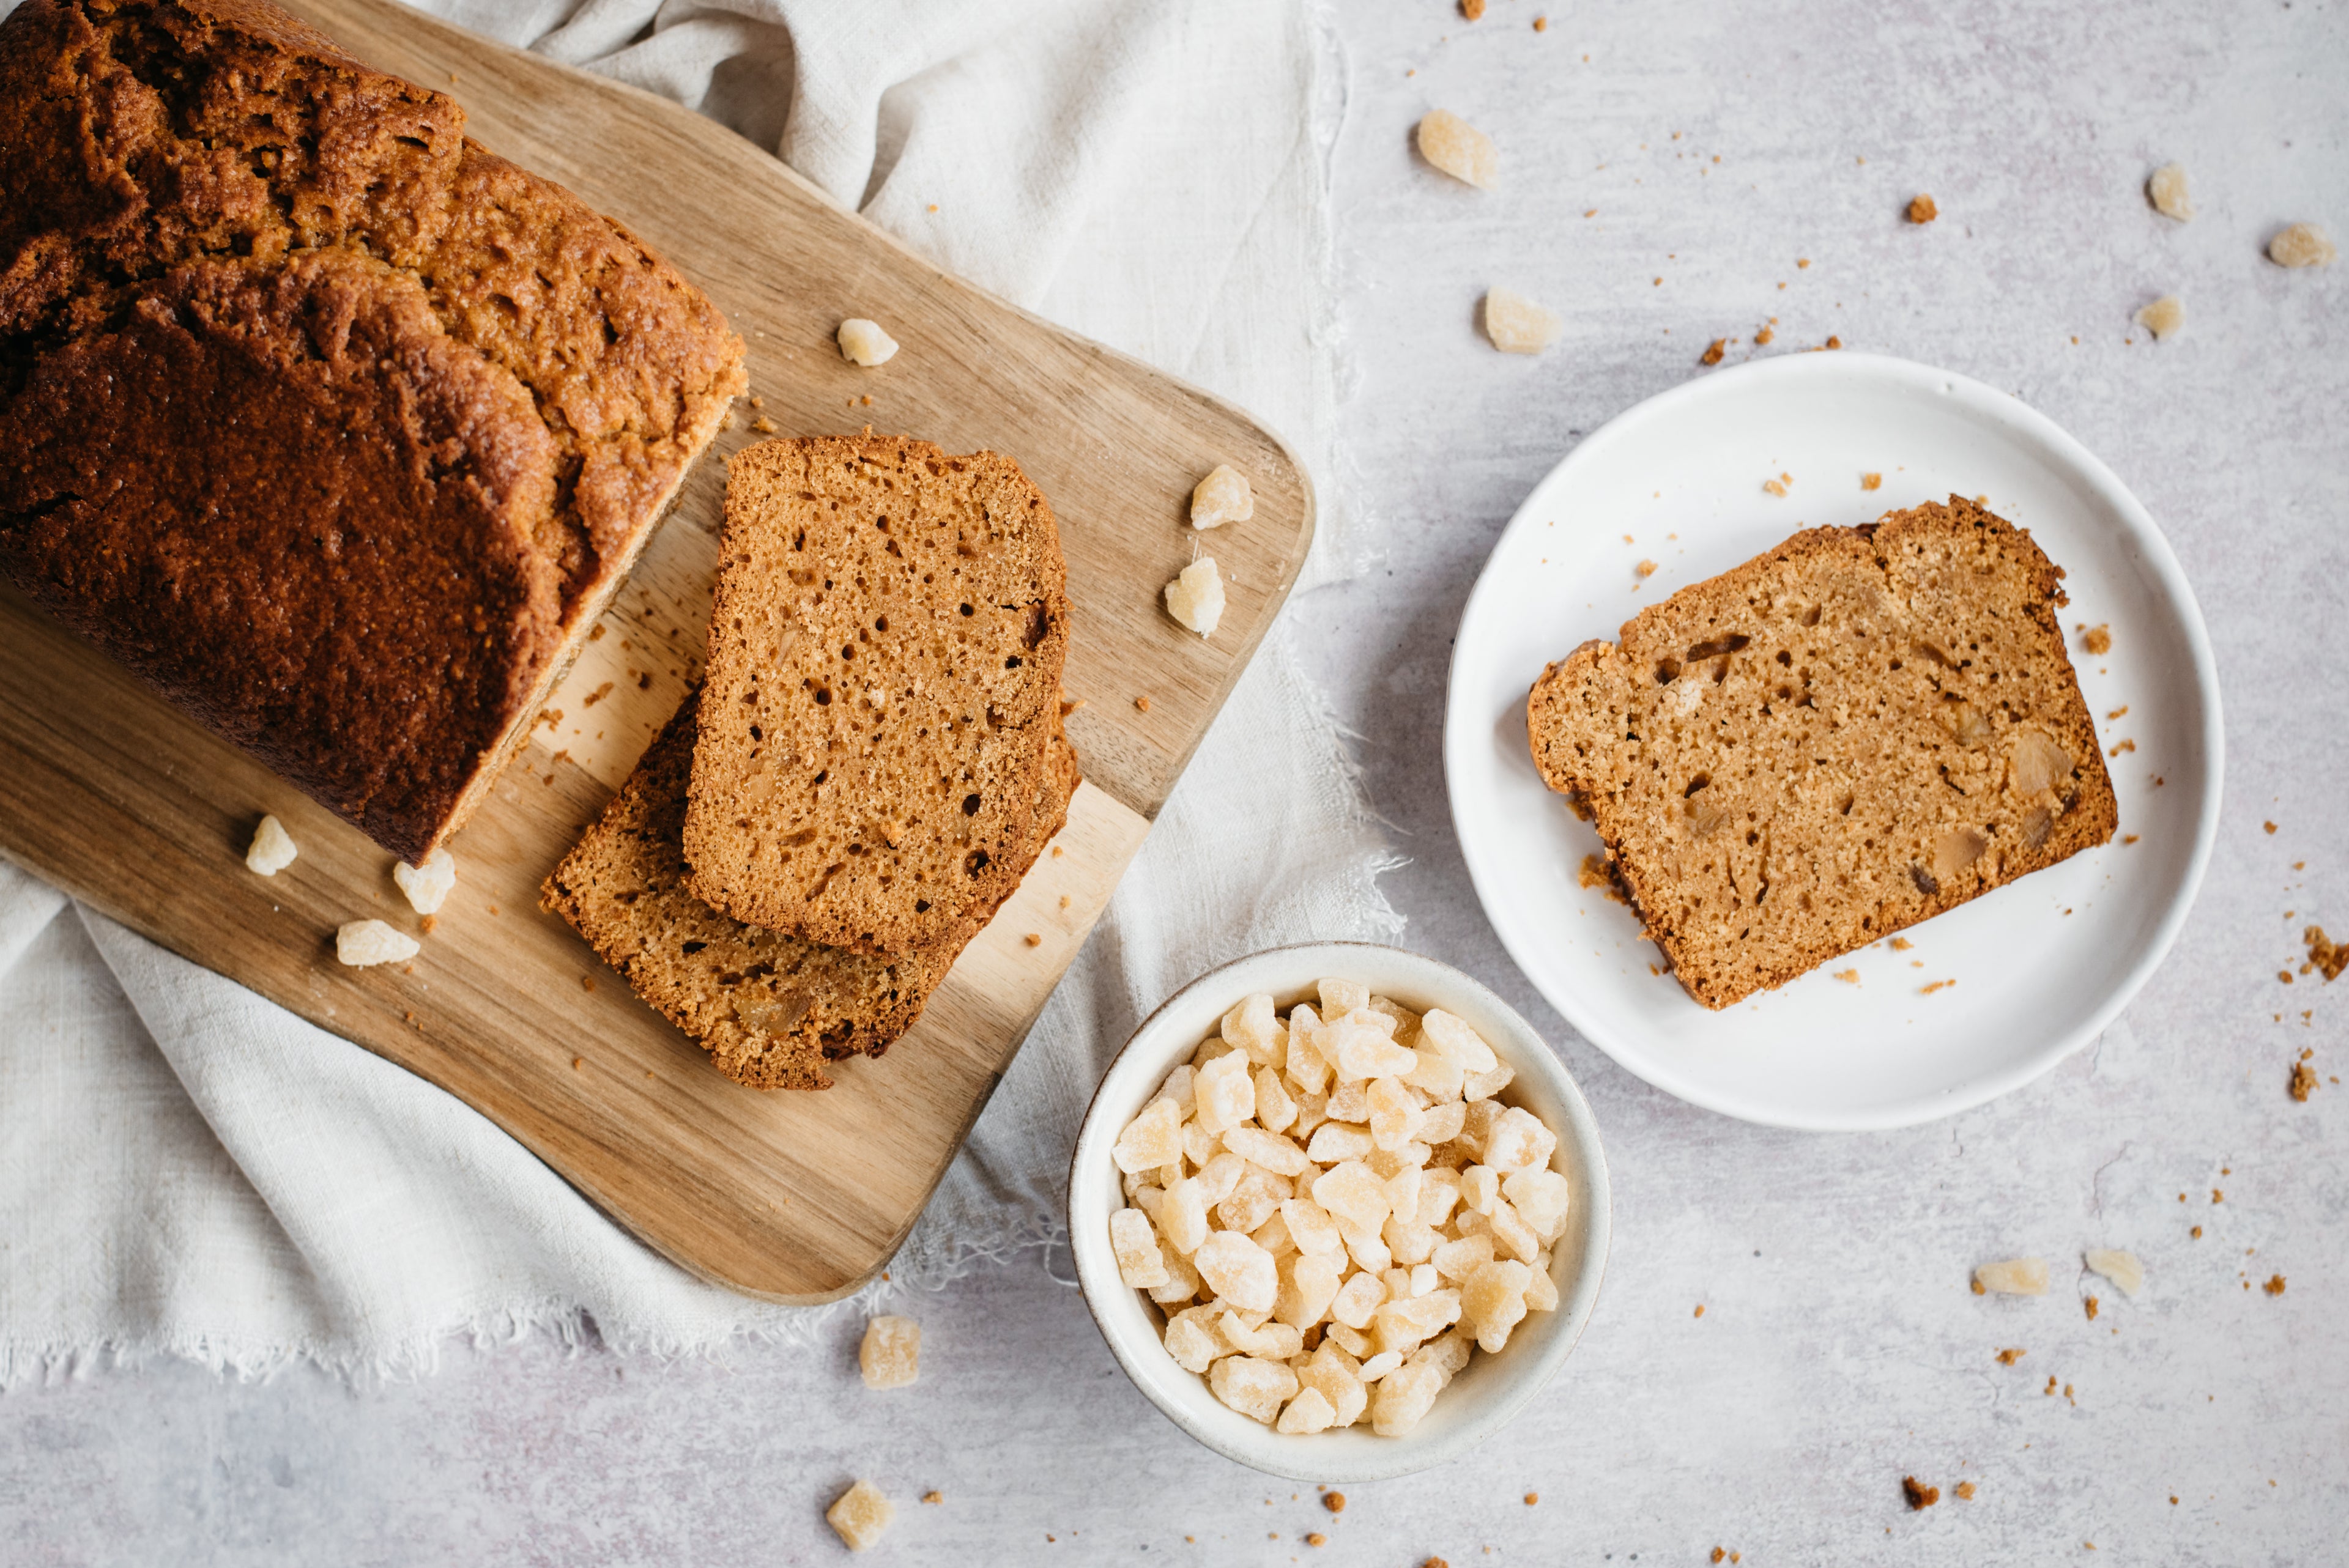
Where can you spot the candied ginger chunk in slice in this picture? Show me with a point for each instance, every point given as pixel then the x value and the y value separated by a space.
pixel 1310 1411
pixel 1458 148
pixel 1153 1138
pixel 1132 1237
pixel 861 1515
pixel 890 1353
pixel 2012 1276
pixel 1223 497
pixel 1195 597
pixel 1254 1387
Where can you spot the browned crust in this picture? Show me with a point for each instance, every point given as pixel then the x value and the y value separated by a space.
pixel 1580 712
pixel 796 761
pixel 335 427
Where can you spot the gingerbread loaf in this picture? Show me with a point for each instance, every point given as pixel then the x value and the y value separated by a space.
pixel 335 426
pixel 1848 734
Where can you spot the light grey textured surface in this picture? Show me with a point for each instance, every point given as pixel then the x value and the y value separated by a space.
pixel 1840 1348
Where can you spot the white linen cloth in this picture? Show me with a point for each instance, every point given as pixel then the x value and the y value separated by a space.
pixel 186 1169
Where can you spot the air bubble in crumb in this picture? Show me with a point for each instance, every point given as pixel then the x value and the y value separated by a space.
pixel 1459 148
pixel 2166 191
pixel 2164 317
pixel 1516 324
pixel 2301 245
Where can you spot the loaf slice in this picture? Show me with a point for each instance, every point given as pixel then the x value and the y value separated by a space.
pixel 771 1009
pixel 1845 736
pixel 884 673
pixel 335 427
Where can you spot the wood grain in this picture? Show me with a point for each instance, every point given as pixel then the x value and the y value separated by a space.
pixel 141 813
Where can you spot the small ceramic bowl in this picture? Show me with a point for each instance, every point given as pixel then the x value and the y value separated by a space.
pixel 1491 1389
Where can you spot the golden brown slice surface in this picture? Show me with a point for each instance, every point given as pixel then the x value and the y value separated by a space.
pixel 1852 733
pixel 884 676
pixel 335 426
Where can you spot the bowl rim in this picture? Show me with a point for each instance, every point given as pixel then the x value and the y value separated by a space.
pixel 1291 1456
pixel 2136 524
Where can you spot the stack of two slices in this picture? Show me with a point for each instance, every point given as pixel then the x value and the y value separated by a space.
pixel 871 765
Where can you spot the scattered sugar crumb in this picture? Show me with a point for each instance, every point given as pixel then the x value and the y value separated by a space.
pixel 1922 209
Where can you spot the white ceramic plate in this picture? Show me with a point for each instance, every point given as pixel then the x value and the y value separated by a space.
pixel 1491 1390
pixel 2041 966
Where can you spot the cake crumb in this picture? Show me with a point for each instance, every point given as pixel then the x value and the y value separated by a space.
pixel 763 425
pixel 1335 1501
pixel 2301 245
pixel 1872 481
pixel 1699 1310
pixel 1541 23
pixel 1534 1497
pixel 588 983
pixel 2165 189
pixel 2099 641
pixel 1761 338
pixel 1775 487
pixel 1918 1494
pixel 2274 1285
pixel 1034 939
pixel 2090 1304
pixel 1142 704
pixel 2164 317
pixel 1848 977
pixel 1964 1488
pixel 1834 342
pixel 1315 1538
pixel 2303 1081
pixel 933 1497
pixel 1931 986
pixel 1473 10
pixel 2011 1355
pixel 1922 209
pixel 2195 1232
pixel 2328 956
pixel 1711 356
pixel 1458 148
pixel 1645 569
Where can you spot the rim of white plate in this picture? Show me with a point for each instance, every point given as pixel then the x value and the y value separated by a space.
pixel 1463 729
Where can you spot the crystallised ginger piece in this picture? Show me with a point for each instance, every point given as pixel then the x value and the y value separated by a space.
pixel 1195 597
pixel 1395 1117
pixel 2301 245
pixel 1193 1339
pixel 1309 1282
pixel 2165 189
pixel 1331 1371
pixel 1269 1341
pixel 1518 1141
pixel 1222 497
pixel 1493 1302
pixel 1356 1300
pixel 1362 1053
pixel 863 342
pixel 2012 1276
pixel 1153 1138
pixel 362 944
pixel 1310 1411
pixel 1254 1387
pixel 1140 1263
pixel 861 1515
pixel 1541 1198
pixel 1238 1271
pixel 1340 997
pixel 1266 1150
pixel 890 1353
pixel 1456 1040
pixel 427 886
pixel 2122 1268
pixel 1311 1227
pixel 1275 1107
pixel 1252 1026
pixel 1352 1192
pixel 1182 1280
pixel 2165 317
pixel 273 848
pixel 1226 1094
pixel 1458 148
pixel 1484 1085
pixel 1404 1398
pixel 1182 1216
pixel 1515 324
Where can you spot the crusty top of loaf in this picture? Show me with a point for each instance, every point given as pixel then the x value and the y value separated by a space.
pixel 1843 737
pixel 884 673
pixel 328 422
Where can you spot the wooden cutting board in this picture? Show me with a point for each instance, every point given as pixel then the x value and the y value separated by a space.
pixel 793 1197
